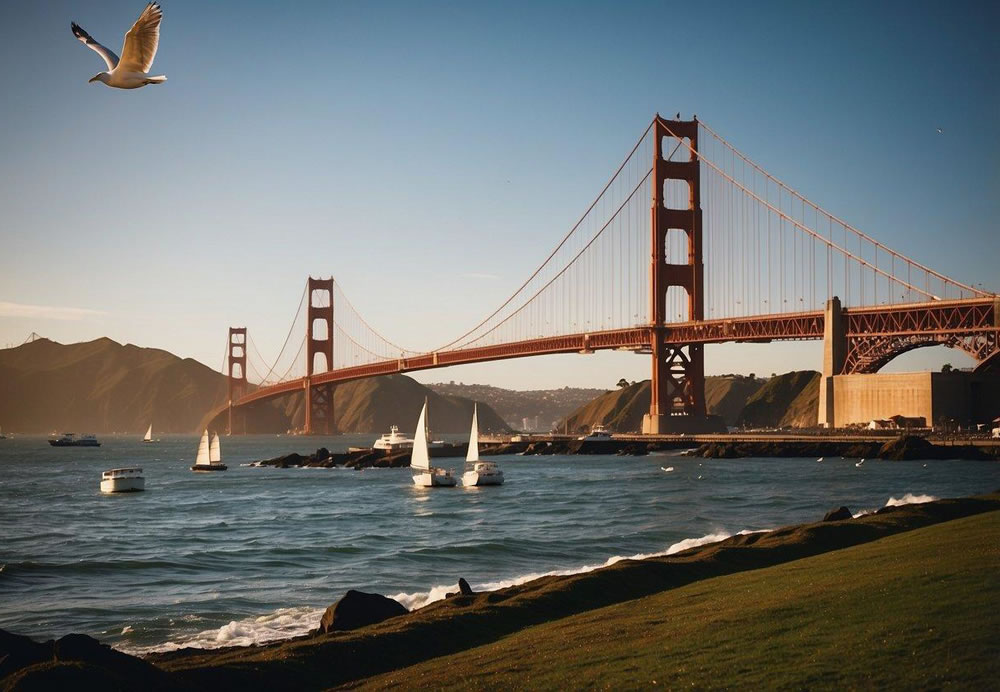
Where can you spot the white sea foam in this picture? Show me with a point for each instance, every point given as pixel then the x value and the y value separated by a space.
pixel 906 499
pixel 283 623
pixel 414 601
pixel 286 623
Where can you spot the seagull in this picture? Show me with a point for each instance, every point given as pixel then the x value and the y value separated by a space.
pixel 859 463
pixel 940 131
pixel 820 459
pixel 668 469
pixel 141 41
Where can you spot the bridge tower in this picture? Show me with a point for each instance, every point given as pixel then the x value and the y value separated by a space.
pixel 237 367
pixel 677 396
pixel 319 340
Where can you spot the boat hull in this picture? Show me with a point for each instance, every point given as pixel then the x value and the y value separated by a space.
pixel 74 443
pixel 428 479
pixel 200 468
pixel 123 485
pixel 471 478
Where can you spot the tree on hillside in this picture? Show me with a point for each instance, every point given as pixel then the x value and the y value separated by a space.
pixel 622 383
pixel 946 367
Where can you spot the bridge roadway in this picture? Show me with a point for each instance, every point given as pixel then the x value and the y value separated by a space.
pixel 922 323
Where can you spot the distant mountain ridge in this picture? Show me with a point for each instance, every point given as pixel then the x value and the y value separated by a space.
pixel 103 386
pixel 547 405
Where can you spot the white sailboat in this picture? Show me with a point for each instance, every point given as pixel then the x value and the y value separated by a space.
pixel 428 476
pixel 209 454
pixel 479 472
pixel 148 437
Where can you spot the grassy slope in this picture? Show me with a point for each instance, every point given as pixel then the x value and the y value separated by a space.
pixel 770 404
pixel 621 410
pixel 913 610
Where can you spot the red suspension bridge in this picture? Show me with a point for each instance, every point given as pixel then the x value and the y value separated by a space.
pixel 689 243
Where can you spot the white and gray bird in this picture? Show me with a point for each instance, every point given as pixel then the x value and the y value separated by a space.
pixel 141 41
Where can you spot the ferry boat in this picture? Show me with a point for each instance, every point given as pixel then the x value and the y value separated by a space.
pixel 479 472
pixel 125 480
pixel 209 454
pixel 428 476
pixel 71 440
pixel 597 433
pixel 393 441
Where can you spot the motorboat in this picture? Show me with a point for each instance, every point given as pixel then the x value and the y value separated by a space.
pixel 209 454
pixel 597 433
pixel 148 437
pixel 125 480
pixel 393 441
pixel 427 476
pixel 71 440
pixel 479 472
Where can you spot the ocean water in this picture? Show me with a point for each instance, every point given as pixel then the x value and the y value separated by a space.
pixel 255 554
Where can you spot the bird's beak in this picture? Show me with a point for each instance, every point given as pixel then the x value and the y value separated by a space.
pixel 92 79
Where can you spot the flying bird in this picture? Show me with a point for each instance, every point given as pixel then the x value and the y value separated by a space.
pixel 940 131
pixel 141 41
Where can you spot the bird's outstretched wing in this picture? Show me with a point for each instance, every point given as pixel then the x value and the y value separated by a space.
pixel 142 40
pixel 86 39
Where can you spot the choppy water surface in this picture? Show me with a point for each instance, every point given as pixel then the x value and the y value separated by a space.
pixel 257 553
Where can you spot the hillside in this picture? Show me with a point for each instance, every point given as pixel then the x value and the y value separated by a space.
pixel 545 405
pixel 786 400
pixel 103 386
pixel 373 405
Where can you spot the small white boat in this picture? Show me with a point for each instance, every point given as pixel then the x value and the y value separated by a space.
pixel 393 441
pixel 126 480
pixel 597 433
pixel 148 437
pixel 209 454
pixel 479 472
pixel 420 460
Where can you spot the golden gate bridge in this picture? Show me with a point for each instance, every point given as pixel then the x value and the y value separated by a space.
pixel 689 243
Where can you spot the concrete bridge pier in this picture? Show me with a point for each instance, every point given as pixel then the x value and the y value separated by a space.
pixel 834 357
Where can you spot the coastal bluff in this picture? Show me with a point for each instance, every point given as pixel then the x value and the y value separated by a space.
pixel 464 621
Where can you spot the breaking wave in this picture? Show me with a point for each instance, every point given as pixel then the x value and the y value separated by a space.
pixel 906 499
pixel 417 600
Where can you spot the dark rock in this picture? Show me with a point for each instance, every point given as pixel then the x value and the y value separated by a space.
pixel 75 661
pixel 359 609
pixel 838 514
pixel 464 588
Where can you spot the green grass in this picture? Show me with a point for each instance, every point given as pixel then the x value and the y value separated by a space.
pixel 911 611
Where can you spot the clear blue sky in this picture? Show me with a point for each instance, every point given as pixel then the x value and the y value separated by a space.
pixel 374 141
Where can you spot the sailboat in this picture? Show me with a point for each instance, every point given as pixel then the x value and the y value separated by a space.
pixel 479 472
pixel 428 476
pixel 209 454
pixel 148 437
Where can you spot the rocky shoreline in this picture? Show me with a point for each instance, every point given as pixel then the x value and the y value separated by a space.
pixel 390 638
pixel 905 448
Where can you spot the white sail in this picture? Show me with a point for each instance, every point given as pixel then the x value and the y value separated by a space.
pixel 420 459
pixel 203 457
pixel 473 454
pixel 149 433
pixel 214 450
